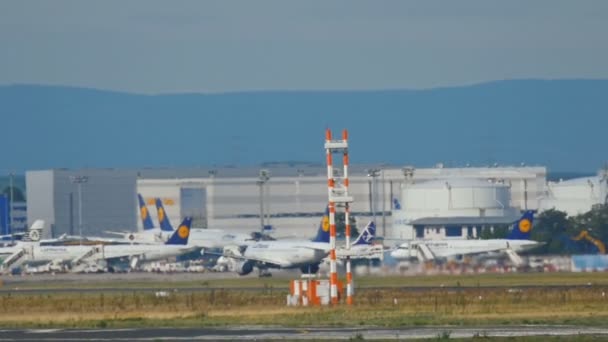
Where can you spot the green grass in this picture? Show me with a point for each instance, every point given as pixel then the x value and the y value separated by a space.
pixel 474 280
pixel 379 301
pixel 375 307
pixel 477 280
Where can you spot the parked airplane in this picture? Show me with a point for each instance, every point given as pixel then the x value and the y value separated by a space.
pixel 33 233
pixel 202 237
pixel 30 249
pixel 283 254
pixel 81 255
pixel 516 241
pixel 150 234
pixel 176 245
pixel 363 247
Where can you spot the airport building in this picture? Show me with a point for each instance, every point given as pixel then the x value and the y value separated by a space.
pixel 13 208
pixel 452 208
pixel 292 197
pixel 90 201
pixel 576 196
pixel 458 203
pixel 13 218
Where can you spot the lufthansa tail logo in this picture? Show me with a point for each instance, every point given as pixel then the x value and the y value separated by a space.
pixel 183 232
pixel 161 214
pixel 525 225
pixel 144 213
pixel 325 224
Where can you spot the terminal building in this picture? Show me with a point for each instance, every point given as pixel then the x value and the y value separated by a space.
pixel 292 198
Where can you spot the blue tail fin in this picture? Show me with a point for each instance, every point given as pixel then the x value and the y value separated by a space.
pixel 323 232
pixel 522 227
pixel 367 235
pixel 396 204
pixel 163 219
pixel 181 234
pixel 144 214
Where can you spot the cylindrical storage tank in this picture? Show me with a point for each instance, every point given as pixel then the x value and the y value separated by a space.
pixel 588 188
pixel 456 198
pixel 575 196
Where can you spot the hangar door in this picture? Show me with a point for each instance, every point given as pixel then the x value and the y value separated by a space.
pixel 194 203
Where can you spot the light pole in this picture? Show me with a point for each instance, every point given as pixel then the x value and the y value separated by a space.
pixel 383 205
pixel 373 173
pixel 298 189
pixel 263 179
pixel 79 180
pixel 210 208
pixel 10 206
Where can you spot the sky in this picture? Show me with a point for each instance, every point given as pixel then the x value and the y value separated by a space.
pixel 155 47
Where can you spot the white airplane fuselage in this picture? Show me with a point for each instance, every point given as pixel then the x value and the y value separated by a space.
pixel 199 237
pixel 146 252
pixel 218 238
pixel 450 248
pixel 360 251
pixel 36 252
pixel 287 254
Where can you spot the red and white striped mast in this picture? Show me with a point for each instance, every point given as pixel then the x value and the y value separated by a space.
pixel 337 189
pixel 345 183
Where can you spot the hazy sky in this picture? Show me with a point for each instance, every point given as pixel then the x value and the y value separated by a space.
pixel 216 46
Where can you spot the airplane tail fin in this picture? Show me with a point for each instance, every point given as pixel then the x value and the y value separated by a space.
pixel 367 235
pixel 34 232
pixel 144 214
pixel 163 219
pixel 396 204
pixel 522 227
pixel 323 231
pixel 182 233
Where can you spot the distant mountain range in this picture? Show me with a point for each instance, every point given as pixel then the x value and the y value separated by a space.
pixel 558 123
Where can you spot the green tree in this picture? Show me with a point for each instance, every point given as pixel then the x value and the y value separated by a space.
pixel 551 227
pixel 594 221
pixel 341 226
pixel 499 232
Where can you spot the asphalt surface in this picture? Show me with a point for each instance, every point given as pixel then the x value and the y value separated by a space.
pixel 273 333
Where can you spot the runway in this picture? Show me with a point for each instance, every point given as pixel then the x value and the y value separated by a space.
pixel 273 333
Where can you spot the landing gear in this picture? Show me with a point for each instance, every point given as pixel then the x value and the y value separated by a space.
pixel 262 273
pixel 310 269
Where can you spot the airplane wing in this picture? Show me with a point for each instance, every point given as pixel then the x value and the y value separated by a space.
pixel 320 252
pixel 115 233
pixel 236 256
pixel 363 252
pixel 236 252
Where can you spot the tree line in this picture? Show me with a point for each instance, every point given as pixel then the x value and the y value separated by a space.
pixel 558 231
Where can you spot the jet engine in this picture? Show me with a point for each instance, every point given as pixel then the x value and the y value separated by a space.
pixel 243 267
